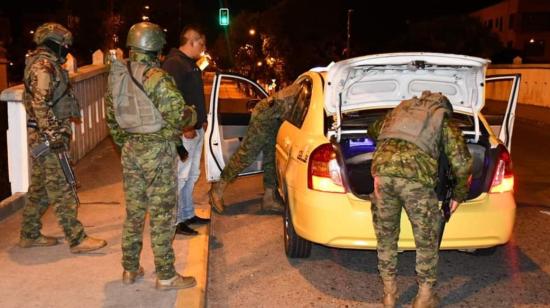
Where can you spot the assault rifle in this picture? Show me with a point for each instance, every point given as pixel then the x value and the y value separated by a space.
pixel 69 173
pixel 445 191
pixel 43 149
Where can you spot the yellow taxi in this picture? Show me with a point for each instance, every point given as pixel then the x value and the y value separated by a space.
pixel 323 153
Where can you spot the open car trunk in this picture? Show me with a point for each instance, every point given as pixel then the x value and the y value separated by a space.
pixel 355 151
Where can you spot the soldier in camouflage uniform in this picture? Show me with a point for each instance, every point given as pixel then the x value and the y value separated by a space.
pixel 267 117
pixel 50 105
pixel 405 170
pixel 149 163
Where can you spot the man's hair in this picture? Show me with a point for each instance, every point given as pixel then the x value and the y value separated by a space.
pixel 188 28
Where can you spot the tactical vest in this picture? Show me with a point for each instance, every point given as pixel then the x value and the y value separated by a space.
pixel 63 102
pixel 418 120
pixel 134 110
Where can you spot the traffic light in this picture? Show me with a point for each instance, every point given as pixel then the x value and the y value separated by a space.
pixel 224 17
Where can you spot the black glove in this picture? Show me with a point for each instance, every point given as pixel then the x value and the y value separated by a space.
pixel 58 146
pixel 182 152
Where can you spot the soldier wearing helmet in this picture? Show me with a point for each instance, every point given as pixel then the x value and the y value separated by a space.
pixel 56 37
pixel 149 158
pixel 50 105
pixel 411 139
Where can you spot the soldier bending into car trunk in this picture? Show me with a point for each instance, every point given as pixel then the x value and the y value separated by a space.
pixel 405 169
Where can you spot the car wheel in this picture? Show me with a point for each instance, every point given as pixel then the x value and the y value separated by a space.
pixel 295 246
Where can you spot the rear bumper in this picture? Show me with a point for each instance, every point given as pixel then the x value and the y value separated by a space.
pixel 344 221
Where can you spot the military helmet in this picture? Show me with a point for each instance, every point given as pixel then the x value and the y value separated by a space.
pixel 54 32
pixel 146 36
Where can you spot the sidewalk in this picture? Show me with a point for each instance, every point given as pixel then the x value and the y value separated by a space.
pixel 53 277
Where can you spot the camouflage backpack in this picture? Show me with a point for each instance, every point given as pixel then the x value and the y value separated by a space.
pixel 134 110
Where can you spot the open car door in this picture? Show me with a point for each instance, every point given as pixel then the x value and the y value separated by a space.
pixel 501 97
pixel 231 103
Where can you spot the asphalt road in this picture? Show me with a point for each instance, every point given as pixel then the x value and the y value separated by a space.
pixel 248 267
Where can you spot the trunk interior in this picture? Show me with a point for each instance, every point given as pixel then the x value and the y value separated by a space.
pixel 355 151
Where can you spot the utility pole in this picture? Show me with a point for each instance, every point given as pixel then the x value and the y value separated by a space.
pixel 348 42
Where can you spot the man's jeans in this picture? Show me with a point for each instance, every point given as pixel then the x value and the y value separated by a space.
pixel 188 174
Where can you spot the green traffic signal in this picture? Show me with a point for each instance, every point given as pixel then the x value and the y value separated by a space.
pixel 224 17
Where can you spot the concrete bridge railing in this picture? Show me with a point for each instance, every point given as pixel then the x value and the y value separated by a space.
pixel 89 84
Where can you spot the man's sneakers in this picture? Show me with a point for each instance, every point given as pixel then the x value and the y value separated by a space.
pixel 88 244
pixel 129 277
pixel 196 220
pixel 176 282
pixel 40 241
pixel 184 229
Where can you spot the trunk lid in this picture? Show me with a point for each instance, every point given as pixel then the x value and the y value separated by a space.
pixel 384 80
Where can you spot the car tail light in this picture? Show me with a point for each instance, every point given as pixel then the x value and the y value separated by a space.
pixel 323 170
pixel 503 179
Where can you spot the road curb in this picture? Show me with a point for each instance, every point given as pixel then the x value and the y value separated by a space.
pixel 197 266
pixel 11 205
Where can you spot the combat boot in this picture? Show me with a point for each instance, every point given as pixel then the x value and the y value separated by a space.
pixel 269 203
pixel 40 241
pixel 390 293
pixel 88 244
pixel 426 297
pixel 176 282
pixel 129 277
pixel 215 195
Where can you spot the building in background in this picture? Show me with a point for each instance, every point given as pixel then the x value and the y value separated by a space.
pixel 522 25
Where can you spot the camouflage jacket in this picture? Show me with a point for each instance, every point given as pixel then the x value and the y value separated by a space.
pixel 41 83
pixel 399 158
pixel 161 88
pixel 278 106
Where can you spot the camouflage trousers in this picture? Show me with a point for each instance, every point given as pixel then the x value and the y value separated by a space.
pixel 49 186
pixel 420 202
pixel 149 179
pixel 260 137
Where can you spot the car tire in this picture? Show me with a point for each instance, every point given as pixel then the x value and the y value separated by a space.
pixel 295 245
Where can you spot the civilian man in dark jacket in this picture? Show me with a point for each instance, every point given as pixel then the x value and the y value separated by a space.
pixel 181 64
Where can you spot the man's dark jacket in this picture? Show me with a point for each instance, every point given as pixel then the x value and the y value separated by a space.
pixel 188 77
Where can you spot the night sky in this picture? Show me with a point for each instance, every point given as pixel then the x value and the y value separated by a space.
pixel 372 22
pixel 205 12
